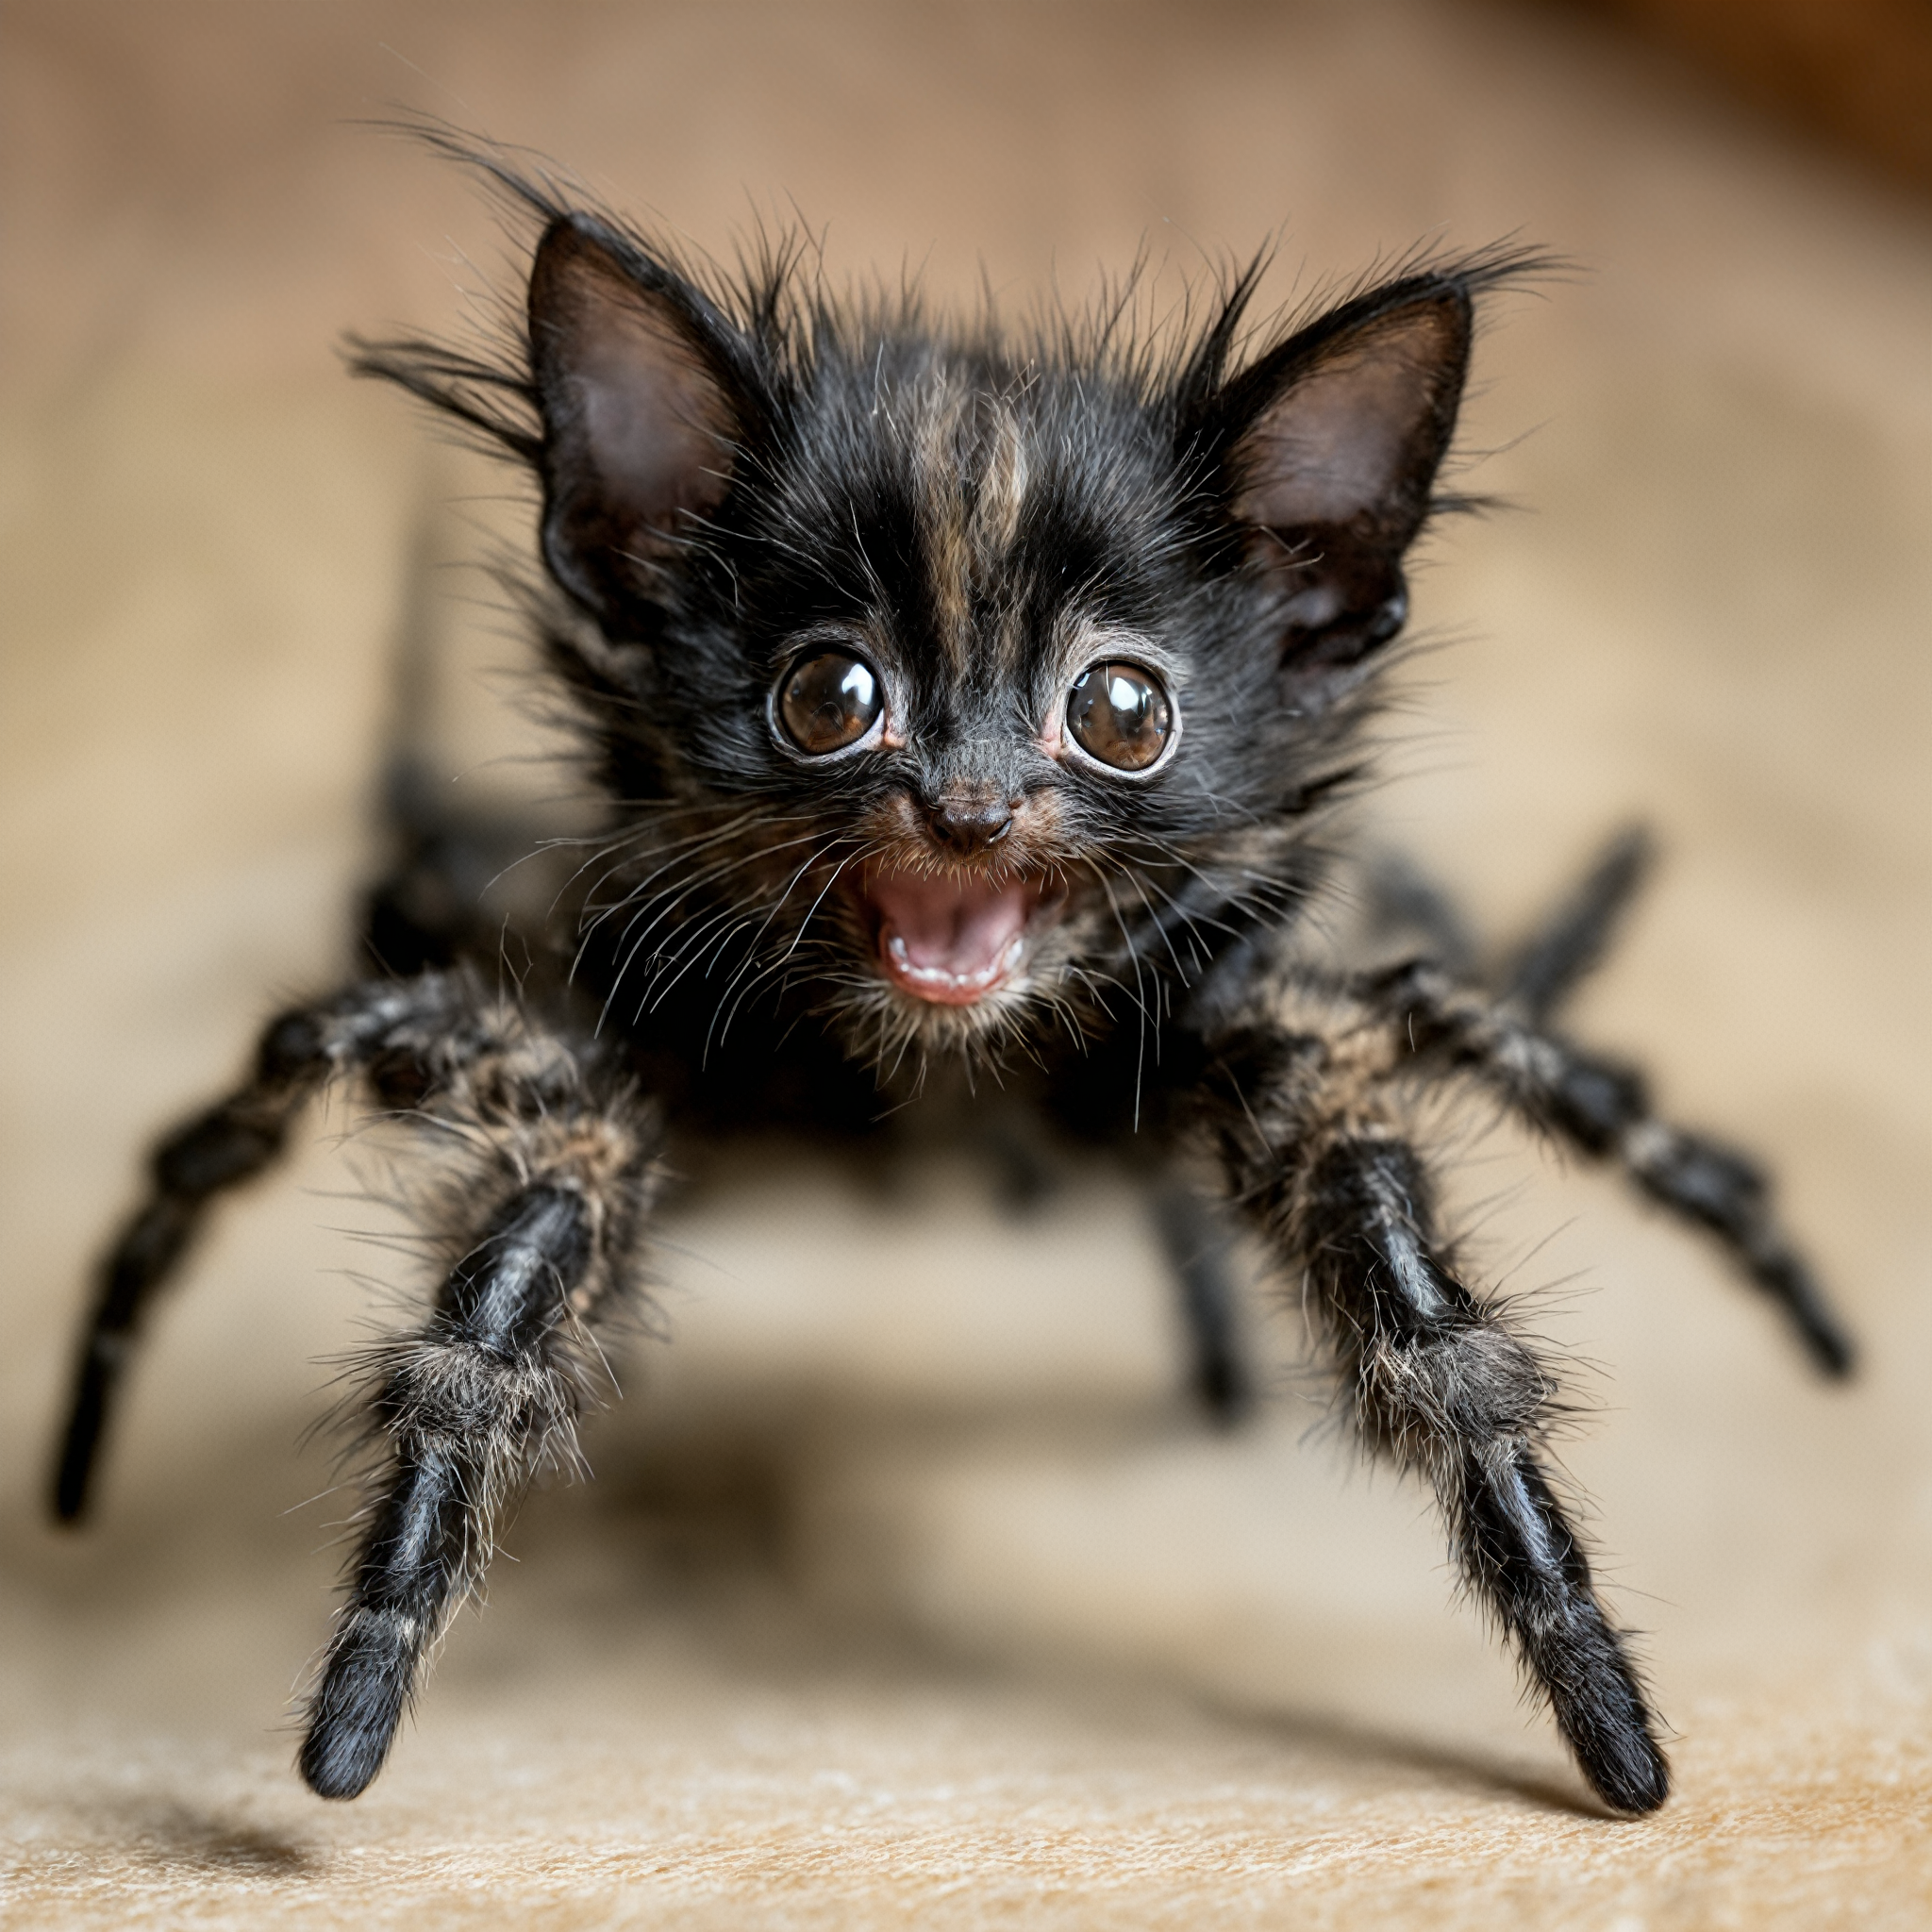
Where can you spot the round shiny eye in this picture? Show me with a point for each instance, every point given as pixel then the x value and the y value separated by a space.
pixel 1119 714
pixel 829 701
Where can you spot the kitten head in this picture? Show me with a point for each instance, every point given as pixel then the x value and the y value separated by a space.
pixel 975 683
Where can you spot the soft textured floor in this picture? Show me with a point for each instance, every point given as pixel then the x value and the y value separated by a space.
pixel 910 1594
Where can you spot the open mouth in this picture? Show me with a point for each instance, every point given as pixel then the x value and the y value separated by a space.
pixel 952 939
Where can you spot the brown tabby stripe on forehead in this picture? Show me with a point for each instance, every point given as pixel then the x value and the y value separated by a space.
pixel 970 477
pixel 1001 483
pixel 997 500
pixel 945 513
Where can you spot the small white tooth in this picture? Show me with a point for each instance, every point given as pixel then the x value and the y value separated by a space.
pixel 895 945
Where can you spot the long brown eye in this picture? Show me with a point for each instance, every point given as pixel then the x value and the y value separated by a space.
pixel 828 702
pixel 1119 715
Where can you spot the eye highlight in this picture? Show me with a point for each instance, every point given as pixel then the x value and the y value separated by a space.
pixel 1120 714
pixel 828 701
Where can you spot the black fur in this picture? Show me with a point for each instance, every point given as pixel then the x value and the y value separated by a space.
pixel 740 475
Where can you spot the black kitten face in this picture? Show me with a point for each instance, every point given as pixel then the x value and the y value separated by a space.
pixel 976 685
pixel 942 532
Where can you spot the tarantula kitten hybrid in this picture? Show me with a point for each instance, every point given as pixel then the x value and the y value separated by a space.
pixel 956 695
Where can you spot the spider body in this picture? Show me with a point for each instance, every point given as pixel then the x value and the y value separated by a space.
pixel 955 697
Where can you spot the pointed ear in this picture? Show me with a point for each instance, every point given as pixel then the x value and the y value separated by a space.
pixel 1337 438
pixel 633 376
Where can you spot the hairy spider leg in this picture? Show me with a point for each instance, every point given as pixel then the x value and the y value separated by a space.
pixel 1439 1383
pixel 1401 898
pixel 559 1170
pixel 470 1408
pixel 207 1157
pixel 1570 942
pixel 1196 1241
pixel 1537 977
pixel 1603 1109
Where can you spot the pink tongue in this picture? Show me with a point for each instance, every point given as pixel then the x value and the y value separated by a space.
pixel 948 938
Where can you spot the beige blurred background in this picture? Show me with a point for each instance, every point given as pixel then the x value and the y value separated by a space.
pixel 910 1592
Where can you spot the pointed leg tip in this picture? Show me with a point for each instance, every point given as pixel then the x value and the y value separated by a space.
pixel 68 1498
pixel 1824 1339
pixel 335 1776
pixel 1633 850
pixel 1835 1354
pixel 1815 1323
pixel 1223 1395
pixel 341 1756
pixel 1637 1801
pixel 1635 1782
pixel 359 1705
pixel 1606 1721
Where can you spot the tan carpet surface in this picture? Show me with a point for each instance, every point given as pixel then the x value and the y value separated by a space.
pixel 909 1593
